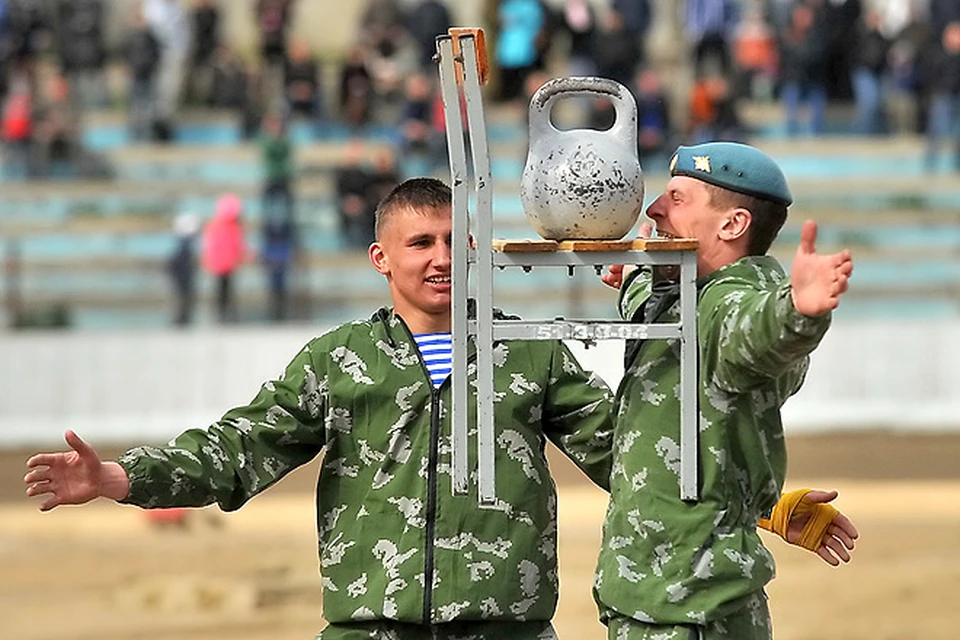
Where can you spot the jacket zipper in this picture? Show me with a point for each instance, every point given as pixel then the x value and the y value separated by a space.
pixel 432 462
pixel 430 526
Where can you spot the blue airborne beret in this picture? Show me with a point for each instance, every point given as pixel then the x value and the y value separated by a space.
pixel 733 166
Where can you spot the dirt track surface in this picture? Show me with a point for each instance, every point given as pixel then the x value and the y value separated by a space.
pixel 105 571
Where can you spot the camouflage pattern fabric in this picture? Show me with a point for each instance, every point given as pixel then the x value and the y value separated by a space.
pixel 384 630
pixel 752 622
pixel 394 543
pixel 665 561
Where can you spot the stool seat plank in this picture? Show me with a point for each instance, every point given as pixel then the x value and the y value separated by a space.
pixel 638 244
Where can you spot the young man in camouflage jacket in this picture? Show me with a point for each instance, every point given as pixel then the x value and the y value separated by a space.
pixel 399 552
pixel 676 570
pixel 400 555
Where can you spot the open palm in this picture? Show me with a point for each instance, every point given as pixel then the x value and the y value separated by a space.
pixel 817 280
pixel 71 477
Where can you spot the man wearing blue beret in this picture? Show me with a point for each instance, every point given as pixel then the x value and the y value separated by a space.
pixel 675 570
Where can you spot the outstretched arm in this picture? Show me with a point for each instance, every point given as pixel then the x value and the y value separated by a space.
pixel 74 477
pixel 817 281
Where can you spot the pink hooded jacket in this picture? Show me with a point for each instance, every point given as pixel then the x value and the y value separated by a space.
pixel 224 247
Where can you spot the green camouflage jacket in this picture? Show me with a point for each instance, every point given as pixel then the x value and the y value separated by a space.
pixel 394 542
pixel 663 560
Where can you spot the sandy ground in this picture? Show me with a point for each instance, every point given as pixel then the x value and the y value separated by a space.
pixel 104 571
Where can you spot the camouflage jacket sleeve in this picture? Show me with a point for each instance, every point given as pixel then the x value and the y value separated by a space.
pixel 578 416
pixel 634 291
pixel 247 450
pixel 751 333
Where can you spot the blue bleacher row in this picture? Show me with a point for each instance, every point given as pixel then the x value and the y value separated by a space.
pixel 320 234
pixel 62 231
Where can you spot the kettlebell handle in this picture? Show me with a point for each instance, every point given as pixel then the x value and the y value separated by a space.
pixel 541 104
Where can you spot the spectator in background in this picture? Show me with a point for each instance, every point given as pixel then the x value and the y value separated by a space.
pixel 779 13
pixel 17 128
pixel 419 134
pixel 234 87
pixel 379 19
pixel 906 96
pixel 713 112
pixel 273 22
pixel 356 88
pixel 869 74
pixel 302 83
pixel 171 27
pixel 224 249
pixel 273 18
pixel 579 20
pixel 615 50
pixel 709 24
pixel 390 62
pixel 756 56
pixel 839 22
pixel 229 79
pixel 353 183
pixel 276 153
pixel 943 122
pixel 142 53
pixel 56 132
pixel 803 51
pixel 381 180
pixel 516 46
pixel 205 20
pixel 182 267
pixel 637 17
pixel 82 50
pixel 425 21
pixel 28 33
pixel 654 131
pixel 253 103
pixel 941 14
pixel 277 255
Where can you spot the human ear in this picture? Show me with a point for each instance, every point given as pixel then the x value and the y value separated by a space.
pixel 378 258
pixel 735 224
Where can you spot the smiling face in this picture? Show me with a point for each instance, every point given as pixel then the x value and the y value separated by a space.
pixel 685 210
pixel 413 252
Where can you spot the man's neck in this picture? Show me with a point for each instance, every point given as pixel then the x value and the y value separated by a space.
pixel 419 322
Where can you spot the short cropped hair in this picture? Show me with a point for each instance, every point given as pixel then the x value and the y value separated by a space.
pixel 417 194
pixel 767 217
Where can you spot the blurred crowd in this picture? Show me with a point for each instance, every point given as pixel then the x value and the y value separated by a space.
pixel 894 65
pixel 896 61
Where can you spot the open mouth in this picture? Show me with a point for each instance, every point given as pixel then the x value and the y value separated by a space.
pixel 440 280
pixel 666 235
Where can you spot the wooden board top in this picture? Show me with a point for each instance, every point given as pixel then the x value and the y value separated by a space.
pixel 638 244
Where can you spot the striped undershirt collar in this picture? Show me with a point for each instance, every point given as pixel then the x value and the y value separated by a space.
pixel 437 352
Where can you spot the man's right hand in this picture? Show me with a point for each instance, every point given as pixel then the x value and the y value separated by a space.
pixel 617 272
pixel 74 477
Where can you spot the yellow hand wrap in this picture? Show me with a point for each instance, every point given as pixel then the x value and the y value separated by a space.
pixel 795 503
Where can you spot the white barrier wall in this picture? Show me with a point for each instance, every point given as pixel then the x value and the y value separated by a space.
pixel 148 386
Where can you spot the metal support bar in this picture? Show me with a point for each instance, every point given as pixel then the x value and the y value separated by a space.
pixel 561 329
pixel 460 268
pixel 689 383
pixel 477 130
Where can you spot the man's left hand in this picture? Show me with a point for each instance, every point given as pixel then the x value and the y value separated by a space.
pixel 818 281
pixel 840 537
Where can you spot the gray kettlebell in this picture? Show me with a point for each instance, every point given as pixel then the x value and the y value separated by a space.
pixel 582 184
